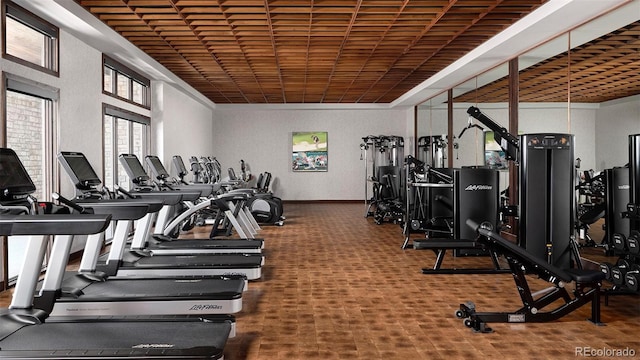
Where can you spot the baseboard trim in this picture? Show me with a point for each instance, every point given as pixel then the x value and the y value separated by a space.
pixel 322 201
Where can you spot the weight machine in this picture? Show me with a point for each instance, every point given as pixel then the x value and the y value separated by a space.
pixel 546 237
pixel 625 274
pixel 547 191
pixel 383 156
pixel 432 150
pixel 443 203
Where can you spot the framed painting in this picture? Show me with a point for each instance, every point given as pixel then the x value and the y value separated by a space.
pixel 310 151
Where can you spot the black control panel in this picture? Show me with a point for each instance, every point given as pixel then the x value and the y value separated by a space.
pixel 549 141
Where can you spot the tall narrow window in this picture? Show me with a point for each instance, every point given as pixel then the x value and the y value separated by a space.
pixel 29 39
pixel 138 92
pixel 123 139
pixel 124 133
pixel 29 124
pixel 108 152
pixel 124 83
pixel 108 79
pixel 27 132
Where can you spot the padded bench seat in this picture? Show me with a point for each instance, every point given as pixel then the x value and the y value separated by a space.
pixel 535 304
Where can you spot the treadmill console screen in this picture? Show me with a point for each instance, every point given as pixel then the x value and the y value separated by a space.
pixel 133 167
pixel 79 169
pixel 179 165
pixel 156 166
pixel 14 180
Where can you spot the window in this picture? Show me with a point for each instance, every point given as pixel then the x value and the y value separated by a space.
pixel 123 133
pixel 28 39
pixel 123 83
pixel 29 124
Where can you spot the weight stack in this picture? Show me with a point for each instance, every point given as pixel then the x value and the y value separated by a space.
pixel 634 178
pixel 616 200
pixel 547 197
pixel 440 208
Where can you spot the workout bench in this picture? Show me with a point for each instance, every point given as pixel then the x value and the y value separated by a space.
pixel 587 287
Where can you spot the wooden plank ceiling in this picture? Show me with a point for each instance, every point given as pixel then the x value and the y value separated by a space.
pixel 603 69
pixel 307 51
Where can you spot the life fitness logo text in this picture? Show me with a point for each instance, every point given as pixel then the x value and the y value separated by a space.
pixel 153 346
pixel 475 187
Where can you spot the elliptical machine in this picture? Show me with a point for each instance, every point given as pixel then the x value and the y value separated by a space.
pixel 263 205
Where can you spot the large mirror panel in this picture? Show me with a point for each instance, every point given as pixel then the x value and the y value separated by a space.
pixel 431 131
pixel 586 82
pixel 488 91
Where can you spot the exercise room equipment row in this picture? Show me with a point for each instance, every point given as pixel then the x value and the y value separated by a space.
pixel 462 210
pixel 144 300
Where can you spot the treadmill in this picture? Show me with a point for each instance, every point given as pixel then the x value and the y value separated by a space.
pixel 121 262
pixel 25 332
pixel 248 224
pixel 240 217
pixel 87 182
pixel 95 294
pixel 160 243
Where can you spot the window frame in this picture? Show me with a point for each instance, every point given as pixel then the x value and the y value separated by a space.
pixel 118 70
pixel 121 114
pixel 50 31
pixel 29 87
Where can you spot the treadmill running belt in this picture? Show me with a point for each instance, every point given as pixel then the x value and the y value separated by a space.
pixel 149 289
pixel 205 261
pixel 208 244
pixel 119 339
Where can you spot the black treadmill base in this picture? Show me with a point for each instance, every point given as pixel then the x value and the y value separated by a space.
pixel 148 339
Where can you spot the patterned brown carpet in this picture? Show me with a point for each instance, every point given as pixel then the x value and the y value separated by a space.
pixel 337 286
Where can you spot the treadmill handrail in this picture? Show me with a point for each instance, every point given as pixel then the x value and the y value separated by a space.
pixel 53 224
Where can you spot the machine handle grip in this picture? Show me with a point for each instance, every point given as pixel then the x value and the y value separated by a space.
pixel 66 202
pixel 123 191
pixel 484 229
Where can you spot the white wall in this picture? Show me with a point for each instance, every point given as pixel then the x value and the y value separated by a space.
pixel 615 120
pixel 263 139
pixel 80 111
pixel 180 125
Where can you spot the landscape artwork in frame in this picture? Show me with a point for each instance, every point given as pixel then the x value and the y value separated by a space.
pixel 310 151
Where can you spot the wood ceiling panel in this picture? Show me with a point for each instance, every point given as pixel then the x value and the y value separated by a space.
pixel 603 69
pixel 283 51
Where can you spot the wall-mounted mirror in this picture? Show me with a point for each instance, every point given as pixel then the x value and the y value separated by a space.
pixel 605 81
pixel 431 131
pixel 584 83
pixel 599 102
pixel 469 133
